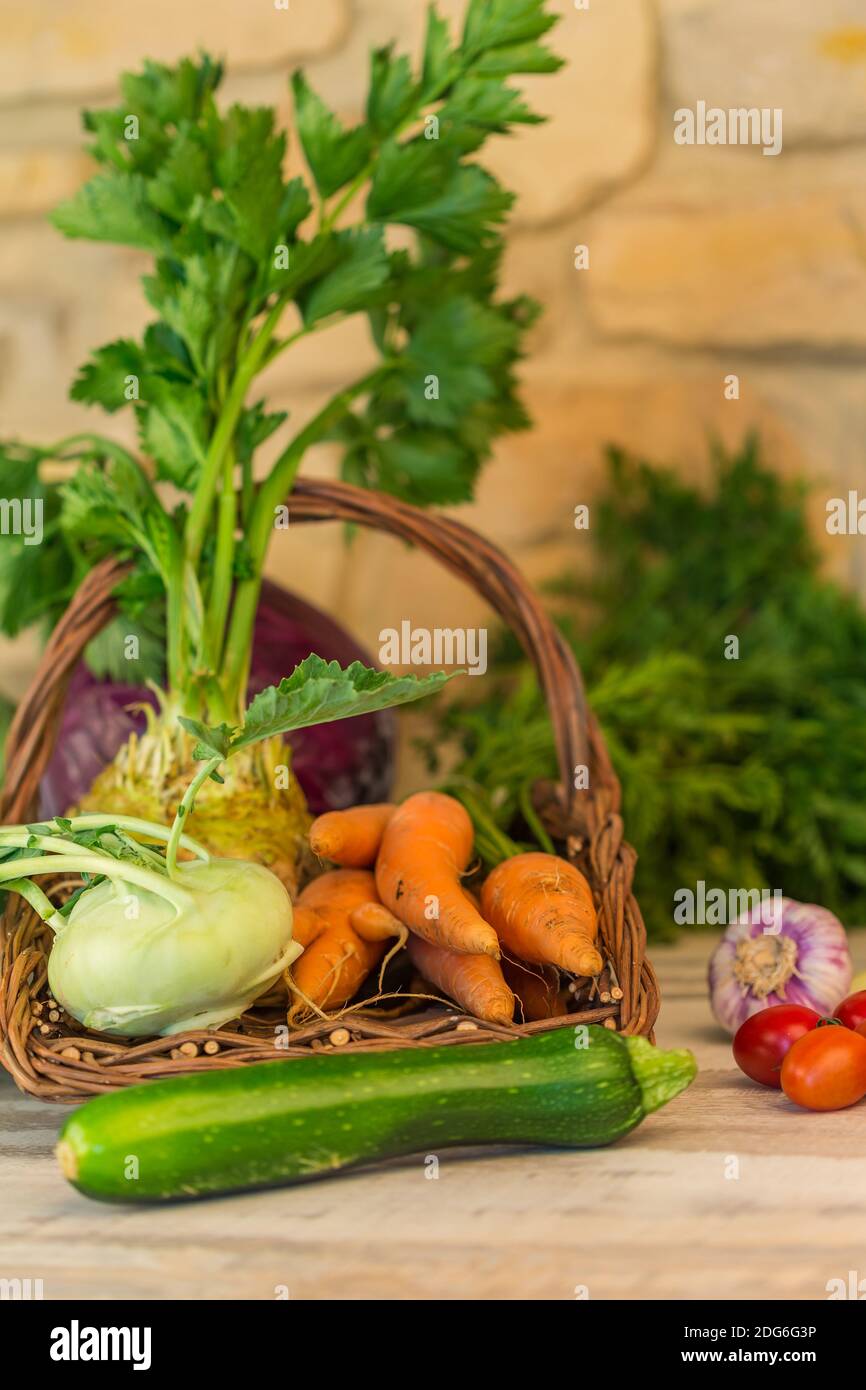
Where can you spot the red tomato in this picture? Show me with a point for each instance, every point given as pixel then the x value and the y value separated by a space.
pixel 826 1069
pixel 852 1011
pixel 762 1041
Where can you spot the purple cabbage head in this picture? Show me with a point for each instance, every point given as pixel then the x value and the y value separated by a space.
pixel 337 765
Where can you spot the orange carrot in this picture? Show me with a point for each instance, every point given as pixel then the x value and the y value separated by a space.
pixel 351 838
pixel 337 961
pixel 475 982
pixel 373 922
pixel 542 909
pixel 537 989
pixel 345 889
pixel 307 924
pixel 426 847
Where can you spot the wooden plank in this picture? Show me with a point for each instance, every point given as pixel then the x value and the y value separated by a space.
pixel 728 1193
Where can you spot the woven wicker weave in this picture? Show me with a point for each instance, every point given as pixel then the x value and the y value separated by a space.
pixel 55 1059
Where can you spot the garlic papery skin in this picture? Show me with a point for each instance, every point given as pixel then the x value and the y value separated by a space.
pixel 782 952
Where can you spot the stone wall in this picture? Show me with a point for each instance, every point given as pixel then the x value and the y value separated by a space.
pixel 704 261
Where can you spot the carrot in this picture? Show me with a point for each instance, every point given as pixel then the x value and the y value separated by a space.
pixel 475 982
pixel 336 961
pixel 537 989
pixel 426 846
pixel 345 889
pixel 351 838
pixel 373 922
pixel 542 909
pixel 307 924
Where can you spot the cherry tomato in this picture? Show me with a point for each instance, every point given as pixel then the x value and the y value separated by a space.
pixel 762 1041
pixel 852 1011
pixel 826 1069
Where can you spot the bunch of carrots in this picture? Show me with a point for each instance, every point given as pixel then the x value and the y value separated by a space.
pixel 399 883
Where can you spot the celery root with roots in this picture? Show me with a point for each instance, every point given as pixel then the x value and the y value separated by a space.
pixel 258 812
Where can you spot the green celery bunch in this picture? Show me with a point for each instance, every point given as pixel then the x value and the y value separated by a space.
pixel 244 266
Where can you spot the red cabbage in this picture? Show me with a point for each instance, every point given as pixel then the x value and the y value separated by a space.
pixel 337 765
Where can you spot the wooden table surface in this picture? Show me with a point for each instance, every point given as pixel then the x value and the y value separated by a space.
pixel 729 1192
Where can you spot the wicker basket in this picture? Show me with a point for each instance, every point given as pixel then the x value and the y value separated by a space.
pixel 57 1060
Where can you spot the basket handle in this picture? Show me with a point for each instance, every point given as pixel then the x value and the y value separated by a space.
pixel 588 820
pixel 33 731
pixel 483 565
pixel 462 550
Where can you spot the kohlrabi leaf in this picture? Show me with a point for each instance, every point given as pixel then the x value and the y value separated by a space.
pixel 210 743
pixel 317 692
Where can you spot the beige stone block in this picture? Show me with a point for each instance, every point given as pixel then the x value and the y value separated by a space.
pixel 34 180
pixel 335 357
pixel 808 419
pixel 808 59
pixel 755 267
pixel 601 107
pixel 60 299
pixel 79 48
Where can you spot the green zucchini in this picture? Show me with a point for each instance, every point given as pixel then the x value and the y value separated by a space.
pixel 278 1122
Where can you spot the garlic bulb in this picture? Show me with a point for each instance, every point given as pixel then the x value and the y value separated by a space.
pixel 782 952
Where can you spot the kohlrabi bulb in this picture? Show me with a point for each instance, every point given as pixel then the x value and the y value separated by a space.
pixel 132 962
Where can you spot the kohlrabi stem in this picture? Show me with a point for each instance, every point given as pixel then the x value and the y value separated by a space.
pixel 114 869
pixel 93 820
pixel 271 494
pixel 141 827
pixel 183 812
pixel 51 844
pixel 39 901
pixel 199 516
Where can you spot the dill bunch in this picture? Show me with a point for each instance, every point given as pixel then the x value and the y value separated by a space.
pixel 746 773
